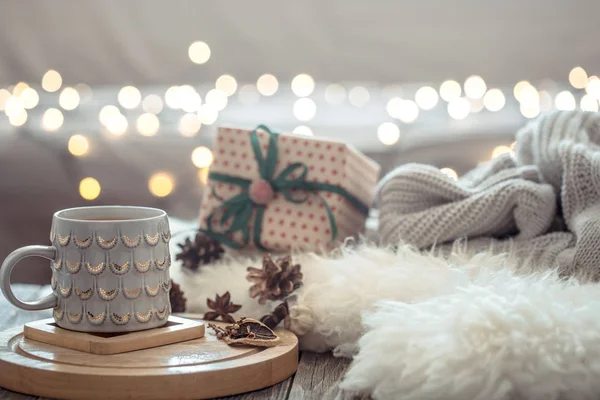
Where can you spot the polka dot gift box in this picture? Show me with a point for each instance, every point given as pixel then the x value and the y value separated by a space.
pixel 276 192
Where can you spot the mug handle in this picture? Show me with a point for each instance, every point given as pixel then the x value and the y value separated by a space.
pixel 9 263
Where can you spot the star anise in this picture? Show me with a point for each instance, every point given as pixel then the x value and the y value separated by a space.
pixel 276 280
pixel 222 307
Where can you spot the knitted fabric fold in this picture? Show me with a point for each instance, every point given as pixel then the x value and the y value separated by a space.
pixel 542 202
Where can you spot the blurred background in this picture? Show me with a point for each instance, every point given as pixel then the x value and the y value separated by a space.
pixel 117 102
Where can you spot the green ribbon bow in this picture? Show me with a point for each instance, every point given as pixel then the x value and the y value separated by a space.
pixel 239 208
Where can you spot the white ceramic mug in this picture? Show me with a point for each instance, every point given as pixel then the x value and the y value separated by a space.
pixel 110 269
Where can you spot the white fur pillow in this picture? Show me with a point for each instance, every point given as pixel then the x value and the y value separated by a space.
pixel 499 337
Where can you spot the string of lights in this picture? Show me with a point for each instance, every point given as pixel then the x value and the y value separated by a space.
pixel 187 108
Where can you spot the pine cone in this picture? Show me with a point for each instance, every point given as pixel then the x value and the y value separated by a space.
pixel 177 298
pixel 276 280
pixel 203 250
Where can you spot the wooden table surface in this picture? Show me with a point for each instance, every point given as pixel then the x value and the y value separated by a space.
pixel 316 378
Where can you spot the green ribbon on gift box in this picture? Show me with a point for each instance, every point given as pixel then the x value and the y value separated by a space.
pixel 239 208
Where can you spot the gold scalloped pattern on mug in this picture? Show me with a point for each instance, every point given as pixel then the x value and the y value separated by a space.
pixel 95 269
pixel 152 291
pixel 131 243
pixel 84 294
pixel 107 295
pixel 75 318
pixel 132 293
pixel 120 269
pixel 161 263
pixel 57 265
pixel 143 318
pixel 63 240
pixel 96 319
pixel 58 314
pixel 152 240
pixel 65 291
pixel 107 244
pixel 73 268
pixel 161 314
pixel 142 267
pixel 53 282
pixel 166 286
pixel 120 319
pixel 82 244
pixel 166 236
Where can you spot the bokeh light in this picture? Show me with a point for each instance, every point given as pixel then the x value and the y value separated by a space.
pixel 189 125
pixel 202 157
pixel 52 119
pixel 578 78
pixel 217 99
pixel 494 100
pixel 593 87
pixel 475 87
pixel 161 184
pixel 459 108
pixel 303 130
pixel 188 99
pixel 587 103
pixel 450 90
pixel 450 173
pixel 501 150
pixel 248 95
pixel 358 96
pixel 267 85
pixel 69 98
pixel 89 188
pixel 78 145
pixel 518 87
pixel 4 96
pixel 147 124
pixel 335 94
pixel 388 133
pixel 226 84
pixel 207 115
pixel 303 85
pixel 152 104
pixel 29 98
pixel 129 97
pixel 304 109
pixel 426 97
pixel 530 110
pixel 18 118
pixel 565 101
pixel 51 81
pixel 19 88
pixel 199 52
pixel 107 112
pixel 117 124
pixel 172 97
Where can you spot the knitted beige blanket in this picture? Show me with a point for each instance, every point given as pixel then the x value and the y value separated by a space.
pixel 542 203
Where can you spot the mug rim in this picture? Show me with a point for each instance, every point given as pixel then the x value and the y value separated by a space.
pixel 151 214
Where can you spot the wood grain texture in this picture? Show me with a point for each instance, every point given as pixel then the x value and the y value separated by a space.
pixel 199 368
pixel 177 330
pixel 318 376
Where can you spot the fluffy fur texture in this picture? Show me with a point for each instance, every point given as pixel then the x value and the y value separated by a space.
pixel 497 336
pixel 338 287
pixel 426 326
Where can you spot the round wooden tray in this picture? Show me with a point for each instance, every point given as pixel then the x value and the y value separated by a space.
pixel 196 369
